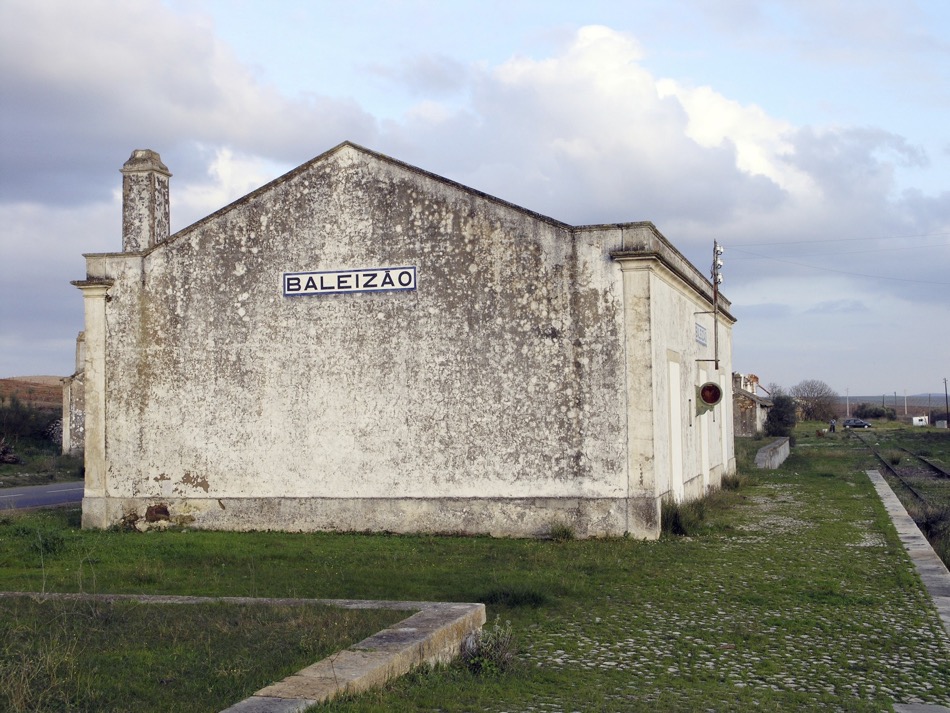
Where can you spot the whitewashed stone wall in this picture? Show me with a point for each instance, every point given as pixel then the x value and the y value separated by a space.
pixel 521 384
pixel 74 396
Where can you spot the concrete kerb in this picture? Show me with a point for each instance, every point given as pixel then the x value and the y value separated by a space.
pixel 933 572
pixel 432 634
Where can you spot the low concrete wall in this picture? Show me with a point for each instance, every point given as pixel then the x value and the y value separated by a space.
pixel 773 455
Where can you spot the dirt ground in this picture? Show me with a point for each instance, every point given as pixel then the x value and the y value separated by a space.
pixel 42 392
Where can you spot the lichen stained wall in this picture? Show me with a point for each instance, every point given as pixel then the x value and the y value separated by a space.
pixel 706 437
pixel 665 298
pixel 496 378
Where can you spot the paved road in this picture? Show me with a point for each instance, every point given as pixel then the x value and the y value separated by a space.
pixel 35 496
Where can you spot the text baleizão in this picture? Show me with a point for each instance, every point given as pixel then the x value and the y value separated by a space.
pixel 337 281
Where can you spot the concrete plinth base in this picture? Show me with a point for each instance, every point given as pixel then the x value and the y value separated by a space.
pixel 498 517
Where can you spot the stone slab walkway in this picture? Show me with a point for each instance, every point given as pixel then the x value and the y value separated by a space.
pixel 635 650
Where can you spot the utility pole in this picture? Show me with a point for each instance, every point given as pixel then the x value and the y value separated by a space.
pixel 905 402
pixel 847 402
pixel 946 402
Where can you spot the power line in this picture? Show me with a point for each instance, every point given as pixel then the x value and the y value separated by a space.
pixel 849 252
pixel 844 272
pixel 921 236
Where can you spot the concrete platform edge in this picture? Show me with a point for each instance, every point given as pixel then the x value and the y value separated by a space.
pixel 931 569
pixel 933 572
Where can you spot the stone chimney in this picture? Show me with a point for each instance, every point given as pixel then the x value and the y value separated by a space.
pixel 145 214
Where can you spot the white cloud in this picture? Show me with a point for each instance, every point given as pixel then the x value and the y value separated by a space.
pixel 585 134
pixel 230 176
pixel 85 83
pixel 761 142
pixel 589 135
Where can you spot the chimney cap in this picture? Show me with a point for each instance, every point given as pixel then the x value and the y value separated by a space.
pixel 143 160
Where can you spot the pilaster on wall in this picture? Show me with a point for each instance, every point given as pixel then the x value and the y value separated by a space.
pixel 639 388
pixel 94 294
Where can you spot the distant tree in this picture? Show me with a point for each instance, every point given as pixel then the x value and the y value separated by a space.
pixel 816 399
pixel 870 411
pixel 17 420
pixel 774 389
pixel 781 419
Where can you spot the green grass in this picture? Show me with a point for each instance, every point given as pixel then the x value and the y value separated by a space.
pixel 99 656
pixel 42 462
pixel 795 594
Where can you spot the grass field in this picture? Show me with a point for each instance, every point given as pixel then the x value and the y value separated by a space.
pixel 123 656
pixel 41 463
pixel 794 594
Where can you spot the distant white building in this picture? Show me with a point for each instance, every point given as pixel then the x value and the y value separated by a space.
pixel 362 345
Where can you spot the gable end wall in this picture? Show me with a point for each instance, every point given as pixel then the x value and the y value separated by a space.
pixel 484 401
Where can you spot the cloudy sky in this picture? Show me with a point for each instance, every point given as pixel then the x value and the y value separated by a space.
pixel 810 138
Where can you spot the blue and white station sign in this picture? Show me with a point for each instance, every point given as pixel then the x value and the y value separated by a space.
pixel 334 282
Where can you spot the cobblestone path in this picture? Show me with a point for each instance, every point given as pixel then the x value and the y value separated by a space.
pixel 774 619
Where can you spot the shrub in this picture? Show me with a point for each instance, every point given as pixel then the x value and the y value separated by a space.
pixel 18 420
pixel 781 419
pixel 864 410
pixel 489 651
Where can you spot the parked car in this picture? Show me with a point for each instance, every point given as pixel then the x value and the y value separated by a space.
pixel 855 423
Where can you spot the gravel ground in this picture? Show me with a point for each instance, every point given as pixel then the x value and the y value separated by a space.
pixel 888 646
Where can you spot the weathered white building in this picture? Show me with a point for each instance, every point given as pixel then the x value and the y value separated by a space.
pixel 362 345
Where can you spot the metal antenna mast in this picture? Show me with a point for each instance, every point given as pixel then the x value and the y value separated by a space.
pixel 716 276
pixel 716 281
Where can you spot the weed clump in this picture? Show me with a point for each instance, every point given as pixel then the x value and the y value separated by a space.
pixel 893 457
pixel 561 531
pixel 735 481
pixel 933 521
pixel 489 651
pixel 514 596
pixel 682 518
pixel 42 540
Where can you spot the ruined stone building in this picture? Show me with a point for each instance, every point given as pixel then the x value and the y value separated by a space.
pixel 750 408
pixel 363 345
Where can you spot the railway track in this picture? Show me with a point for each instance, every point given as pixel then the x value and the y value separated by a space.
pixel 930 464
pixel 933 467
